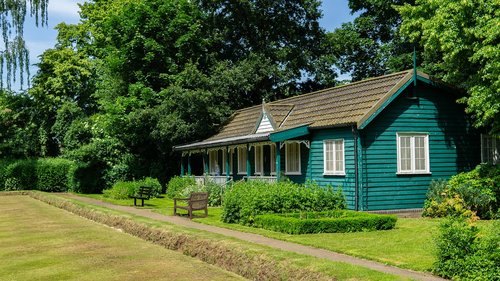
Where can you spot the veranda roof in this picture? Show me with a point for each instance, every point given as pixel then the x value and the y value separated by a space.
pixel 345 105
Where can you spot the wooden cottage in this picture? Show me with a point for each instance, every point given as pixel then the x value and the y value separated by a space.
pixel 383 140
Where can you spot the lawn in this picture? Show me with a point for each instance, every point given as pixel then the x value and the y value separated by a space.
pixel 337 270
pixel 40 242
pixel 409 245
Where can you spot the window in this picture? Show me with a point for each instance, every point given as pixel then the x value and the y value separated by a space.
pixel 224 155
pixel 242 160
pixel 259 163
pixel 292 155
pixel 413 153
pixel 333 160
pixel 273 159
pixel 490 149
pixel 213 166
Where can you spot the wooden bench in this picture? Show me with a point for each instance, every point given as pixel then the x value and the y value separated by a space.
pixel 144 193
pixel 196 201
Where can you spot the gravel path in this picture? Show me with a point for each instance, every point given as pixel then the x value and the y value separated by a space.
pixel 259 239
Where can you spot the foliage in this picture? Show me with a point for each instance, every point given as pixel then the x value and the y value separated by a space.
pixel 4 163
pixel 21 175
pixel 245 200
pixel 371 45
pixel 126 189
pixel 49 174
pixel 53 174
pixel 325 222
pixel 15 55
pixel 465 254
pixel 176 185
pixel 460 42
pixel 467 194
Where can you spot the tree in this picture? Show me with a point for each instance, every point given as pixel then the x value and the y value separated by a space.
pixel 371 45
pixel 461 42
pixel 15 55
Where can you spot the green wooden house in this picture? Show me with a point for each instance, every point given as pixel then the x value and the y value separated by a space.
pixel 383 140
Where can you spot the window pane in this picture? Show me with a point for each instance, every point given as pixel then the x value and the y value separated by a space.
pixel 339 156
pixel 420 161
pixel 273 158
pixel 242 160
pixel 292 157
pixel 405 153
pixel 258 159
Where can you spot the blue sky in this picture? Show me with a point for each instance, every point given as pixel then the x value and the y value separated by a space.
pixel 38 39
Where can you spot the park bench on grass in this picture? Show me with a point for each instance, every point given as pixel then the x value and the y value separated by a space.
pixel 196 201
pixel 144 193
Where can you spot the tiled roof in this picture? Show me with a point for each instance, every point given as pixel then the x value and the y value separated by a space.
pixel 339 106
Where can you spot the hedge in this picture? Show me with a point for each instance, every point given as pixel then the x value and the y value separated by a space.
pixel 48 174
pixel 325 222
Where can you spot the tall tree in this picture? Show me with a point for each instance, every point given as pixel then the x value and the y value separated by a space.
pixel 371 45
pixel 461 42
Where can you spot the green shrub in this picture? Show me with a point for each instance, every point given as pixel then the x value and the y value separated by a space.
pixel 4 163
pixel 466 194
pixel 325 222
pixel 245 200
pixel 21 175
pixel 53 174
pixel 125 189
pixel 215 193
pixel 85 178
pixel 121 190
pixel 176 185
pixel 463 253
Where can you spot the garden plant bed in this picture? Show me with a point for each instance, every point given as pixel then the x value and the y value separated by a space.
pixel 325 222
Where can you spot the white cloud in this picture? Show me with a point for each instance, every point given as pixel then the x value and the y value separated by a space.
pixel 65 8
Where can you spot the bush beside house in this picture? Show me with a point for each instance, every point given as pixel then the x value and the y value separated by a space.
pixel 466 194
pixel 245 200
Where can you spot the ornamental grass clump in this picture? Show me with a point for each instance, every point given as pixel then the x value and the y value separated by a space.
pixel 245 200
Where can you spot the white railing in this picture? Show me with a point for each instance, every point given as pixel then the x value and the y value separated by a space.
pixel 220 180
pixel 263 178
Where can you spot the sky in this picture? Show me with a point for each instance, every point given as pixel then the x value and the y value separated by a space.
pixel 38 39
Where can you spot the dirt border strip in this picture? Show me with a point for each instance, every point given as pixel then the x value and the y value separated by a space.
pixel 262 240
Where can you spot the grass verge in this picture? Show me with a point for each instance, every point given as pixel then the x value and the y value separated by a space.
pixel 246 259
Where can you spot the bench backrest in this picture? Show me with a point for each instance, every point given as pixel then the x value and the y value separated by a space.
pixel 198 200
pixel 145 191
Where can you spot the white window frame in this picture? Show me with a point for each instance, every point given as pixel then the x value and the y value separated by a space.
pixel 260 154
pixel 287 149
pixel 335 171
pixel 212 162
pixel 242 155
pixel 412 170
pixel 490 149
pixel 272 168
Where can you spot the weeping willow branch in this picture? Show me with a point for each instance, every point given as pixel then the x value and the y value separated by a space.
pixel 14 57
